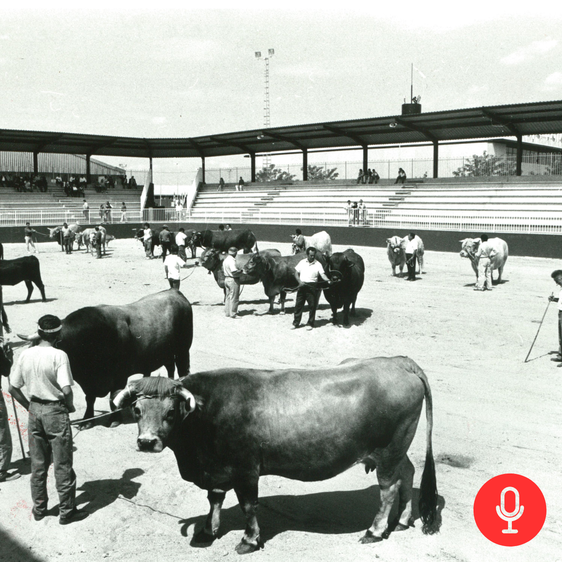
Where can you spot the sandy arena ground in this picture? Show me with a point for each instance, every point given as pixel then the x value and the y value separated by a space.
pixel 493 414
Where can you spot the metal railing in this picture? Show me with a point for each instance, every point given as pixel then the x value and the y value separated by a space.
pixel 18 217
pixel 508 223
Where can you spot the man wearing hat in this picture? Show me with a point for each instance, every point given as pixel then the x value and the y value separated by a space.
pixel 231 283
pixel 45 372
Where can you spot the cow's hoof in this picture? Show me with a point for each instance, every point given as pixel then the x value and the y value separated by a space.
pixel 86 425
pixel 245 548
pixel 202 538
pixel 369 538
pixel 401 527
pixel 115 423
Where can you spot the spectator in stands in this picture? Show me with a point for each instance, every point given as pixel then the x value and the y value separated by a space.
pixel 110 182
pixel 368 176
pixel 83 183
pixel 374 177
pixel 58 181
pixel 3 181
pixel 123 212
pixel 179 209
pixel 221 227
pixel 86 211
pixel 108 208
pixel 362 208
pixel 361 176
pixel 401 178
pixel 228 227
pixel 240 185
pixel 133 182
pixel 355 210
pixel 102 212
pixel 221 185
pixel 349 212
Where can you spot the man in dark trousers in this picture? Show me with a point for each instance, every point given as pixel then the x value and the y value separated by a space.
pixel 45 372
pixel 307 273
pixel 165 238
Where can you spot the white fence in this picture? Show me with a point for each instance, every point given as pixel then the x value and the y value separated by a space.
pixel 15 217
pixel 508 223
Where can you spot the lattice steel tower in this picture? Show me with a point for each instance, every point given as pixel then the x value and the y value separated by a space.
pixel 266 106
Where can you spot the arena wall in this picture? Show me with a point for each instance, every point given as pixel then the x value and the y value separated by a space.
pixel 531 245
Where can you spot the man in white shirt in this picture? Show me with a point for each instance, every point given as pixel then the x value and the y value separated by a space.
pixel 181 238
pixel 411 251
pixel 147 241
pixel 557 276
pixel 485 253
pixel 45 372
pixel 86 211
pixel 307 273
pixel 231 283
pixel 172 266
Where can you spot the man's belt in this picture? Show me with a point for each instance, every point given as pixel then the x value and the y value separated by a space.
pixel 40 401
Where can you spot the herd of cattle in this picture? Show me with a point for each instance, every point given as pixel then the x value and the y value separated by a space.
pixel 229 427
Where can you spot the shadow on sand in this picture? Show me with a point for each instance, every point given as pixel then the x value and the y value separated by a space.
pixel 326 513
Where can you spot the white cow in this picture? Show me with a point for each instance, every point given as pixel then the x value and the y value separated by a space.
pixel 420 251
pixel 321 241
pixel 87 238
pixel 396 254
pixel 470 247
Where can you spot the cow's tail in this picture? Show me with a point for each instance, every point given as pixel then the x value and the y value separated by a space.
pixel 428 487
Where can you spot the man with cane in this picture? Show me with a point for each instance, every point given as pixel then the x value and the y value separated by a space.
pixel 557 276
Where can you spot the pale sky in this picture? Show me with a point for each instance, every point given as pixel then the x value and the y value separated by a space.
pixel 159 71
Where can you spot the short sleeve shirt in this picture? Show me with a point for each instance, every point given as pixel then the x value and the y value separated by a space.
pixel 173 263
pixel 181 237
pixel 310 272
pixel 44 371
pixel 229 265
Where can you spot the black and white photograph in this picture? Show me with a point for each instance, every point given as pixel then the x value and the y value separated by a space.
pixel 281 281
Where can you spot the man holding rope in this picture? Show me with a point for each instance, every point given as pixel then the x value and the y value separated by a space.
pixel 45 372
pixel 307 273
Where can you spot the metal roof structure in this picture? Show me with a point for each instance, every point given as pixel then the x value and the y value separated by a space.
pixel 515 120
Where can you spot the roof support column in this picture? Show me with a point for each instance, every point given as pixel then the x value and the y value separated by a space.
pixel 203 170
pixel 435 159
pixel 150 168
pixel 365 158
pixel 519 155
pixel 253 167
pixel 88 169
pixel 304 164
pixel 35 163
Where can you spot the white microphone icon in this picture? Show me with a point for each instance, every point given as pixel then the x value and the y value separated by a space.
pixel 507 515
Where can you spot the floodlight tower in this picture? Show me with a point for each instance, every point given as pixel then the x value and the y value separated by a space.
pixel 266 106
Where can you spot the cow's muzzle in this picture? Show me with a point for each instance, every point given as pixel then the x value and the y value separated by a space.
pixel 149 444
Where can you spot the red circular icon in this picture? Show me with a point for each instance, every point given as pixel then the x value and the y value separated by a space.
pixel 509 509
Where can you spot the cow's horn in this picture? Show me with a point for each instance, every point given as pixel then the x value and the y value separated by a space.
pixel 31 337
pixel 123 395
pixel 188 397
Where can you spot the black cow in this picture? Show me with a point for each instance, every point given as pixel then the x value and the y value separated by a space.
pixel 224 239
pixel 212 260
pixel 229 427
pixel 348 270
pixel 25 269
pixel 107 344
pixel 277 274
